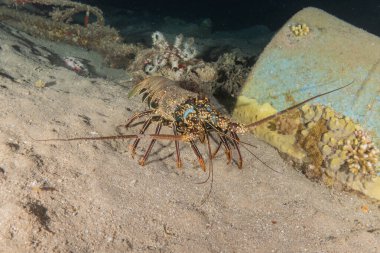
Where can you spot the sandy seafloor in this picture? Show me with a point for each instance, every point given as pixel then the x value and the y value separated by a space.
pixel 92 196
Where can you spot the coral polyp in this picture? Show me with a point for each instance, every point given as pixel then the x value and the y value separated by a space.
pixel 344 148
pixel 300 30
pixel 175 56
pixel 325 144
pixel 362 155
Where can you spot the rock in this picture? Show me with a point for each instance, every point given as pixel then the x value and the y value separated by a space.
pixel 333 53
pixel 315 52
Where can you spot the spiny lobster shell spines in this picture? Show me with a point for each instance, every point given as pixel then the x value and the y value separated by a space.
pixel 196 116
pixel 192 112
pixel 162 94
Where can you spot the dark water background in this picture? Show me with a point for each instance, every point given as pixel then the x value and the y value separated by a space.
pixel 238 14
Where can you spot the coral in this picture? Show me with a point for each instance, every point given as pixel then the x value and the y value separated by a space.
pixel 300 30
pixel 102 39
pixel 310 143
pixel 40 84
pixel 362 155
pixel 248 110
pixel 347 152
pixel 175 56
pixel 232 71
pixel 327 145
pixel 287 123
pixel 206 73
pixel 176 62
pixel 66 9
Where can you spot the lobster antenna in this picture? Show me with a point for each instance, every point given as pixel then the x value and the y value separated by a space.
pixel 211 171
pixel 259 122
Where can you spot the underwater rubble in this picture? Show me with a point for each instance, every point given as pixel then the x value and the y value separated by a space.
pixel 334 139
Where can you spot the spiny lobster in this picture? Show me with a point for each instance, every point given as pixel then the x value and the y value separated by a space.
pixel 191 116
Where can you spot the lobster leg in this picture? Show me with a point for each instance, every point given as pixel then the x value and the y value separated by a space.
pixel 136 116
pixel 179 162
pixel 142 131
pixel 152 142
pixel 199 156
pixel 235 140
pixel 227 149
pixel 217 149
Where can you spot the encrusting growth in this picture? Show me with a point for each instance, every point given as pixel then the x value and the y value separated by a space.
pixel 175 56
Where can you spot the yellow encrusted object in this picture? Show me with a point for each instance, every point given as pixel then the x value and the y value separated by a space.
pixel 328 145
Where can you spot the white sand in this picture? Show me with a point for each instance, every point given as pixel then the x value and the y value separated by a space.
pixel 103 201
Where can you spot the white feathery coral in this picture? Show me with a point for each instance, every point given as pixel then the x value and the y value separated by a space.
pixel 178 41
pixel 175 56
pixel 159 41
